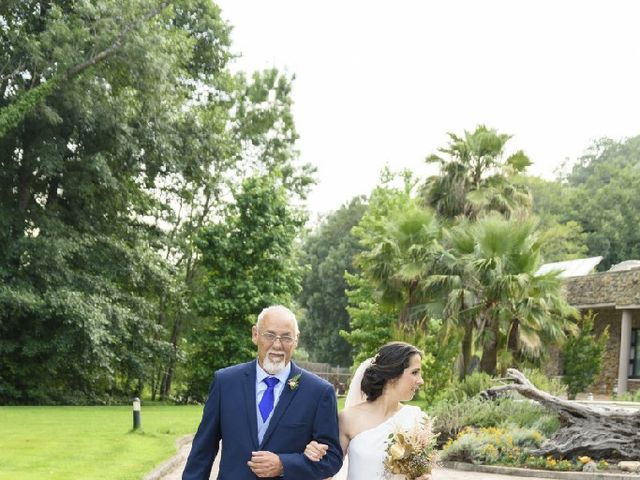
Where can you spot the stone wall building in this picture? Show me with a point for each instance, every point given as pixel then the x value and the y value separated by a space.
pixel 614 296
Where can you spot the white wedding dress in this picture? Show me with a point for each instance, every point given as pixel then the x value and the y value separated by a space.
pixel 367 449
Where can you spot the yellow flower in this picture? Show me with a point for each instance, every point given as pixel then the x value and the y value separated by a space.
pixel 584 459
pixel 396 451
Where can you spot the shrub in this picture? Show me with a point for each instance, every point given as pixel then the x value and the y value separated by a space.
pixel 629 396
pixel 452 417
pixel 554 386
pixel 471 386
pixel 583 355
pixel 495 445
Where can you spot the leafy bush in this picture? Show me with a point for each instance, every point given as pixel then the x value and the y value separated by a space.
pixel 629 396
pixel 495 445
pixel 554 386
pixel 440 347
pixel 471 386
pixel 452 417
pixel 583 355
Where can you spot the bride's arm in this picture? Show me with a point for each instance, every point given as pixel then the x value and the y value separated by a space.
pixel 314 451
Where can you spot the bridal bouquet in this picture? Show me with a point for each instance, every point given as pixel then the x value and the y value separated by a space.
pixel 412 452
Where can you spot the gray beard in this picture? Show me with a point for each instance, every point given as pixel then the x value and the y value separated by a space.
pixel 272 368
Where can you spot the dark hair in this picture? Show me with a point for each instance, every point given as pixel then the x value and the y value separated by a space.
pixel 389 363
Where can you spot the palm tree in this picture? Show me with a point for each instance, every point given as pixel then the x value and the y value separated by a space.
pixel 493 265
pixel 399 257
pixel 473 178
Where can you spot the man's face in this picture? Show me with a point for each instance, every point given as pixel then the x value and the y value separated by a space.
pixel 274 354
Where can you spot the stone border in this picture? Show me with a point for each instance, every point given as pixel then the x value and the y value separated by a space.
pixel 180 457
pixel 527 472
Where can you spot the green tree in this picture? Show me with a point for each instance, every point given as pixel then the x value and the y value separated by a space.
pixel 401 244
pixel 248 263
pixel 440 345
pixel 603 199
pixel 373 314
pixel 21 104
pixel 561 239
pixel 512 307
pixel 371 324
pixel 388 298
pixel 582 356
pixel 81 276
pixel 224 138
pixel 474 179
pixel 329 253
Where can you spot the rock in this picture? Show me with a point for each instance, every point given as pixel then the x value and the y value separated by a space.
pixel 590 467
pixel 629 466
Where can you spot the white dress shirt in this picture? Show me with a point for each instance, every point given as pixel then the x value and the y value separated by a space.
pixel 261 387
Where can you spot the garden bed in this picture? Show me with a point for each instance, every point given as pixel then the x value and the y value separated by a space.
pixel 611 474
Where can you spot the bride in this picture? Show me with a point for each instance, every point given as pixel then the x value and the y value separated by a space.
pixel 373 411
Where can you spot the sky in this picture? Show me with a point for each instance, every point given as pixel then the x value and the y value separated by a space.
pixel 380 83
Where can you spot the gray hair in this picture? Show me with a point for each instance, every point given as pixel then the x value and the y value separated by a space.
pixel 278 309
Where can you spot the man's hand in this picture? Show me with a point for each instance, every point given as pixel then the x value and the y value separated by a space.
pixel 265 464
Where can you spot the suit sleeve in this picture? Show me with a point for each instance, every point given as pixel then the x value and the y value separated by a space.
pixel 206 442
pixel 325 430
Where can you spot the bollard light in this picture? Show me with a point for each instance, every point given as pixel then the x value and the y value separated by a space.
pixel 136 413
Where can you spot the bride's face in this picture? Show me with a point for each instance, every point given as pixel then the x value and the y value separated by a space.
pixel 411 379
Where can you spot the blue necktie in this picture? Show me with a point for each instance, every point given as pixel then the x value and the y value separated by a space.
pixel 266 403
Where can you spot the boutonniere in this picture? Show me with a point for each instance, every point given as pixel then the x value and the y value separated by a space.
pixel 294 382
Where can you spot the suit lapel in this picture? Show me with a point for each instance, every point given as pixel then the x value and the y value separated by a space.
pixel 250 402
pixel 285 399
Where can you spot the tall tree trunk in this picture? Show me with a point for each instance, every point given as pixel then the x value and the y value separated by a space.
pixel 167 379
pixel 489 360
pixel 513 340
pixel 467 349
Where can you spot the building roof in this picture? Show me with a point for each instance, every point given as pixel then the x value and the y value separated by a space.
pixel 617 289
pixel 626 265
pixel 571 268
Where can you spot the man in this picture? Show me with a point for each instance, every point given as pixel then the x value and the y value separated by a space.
pixel 266 411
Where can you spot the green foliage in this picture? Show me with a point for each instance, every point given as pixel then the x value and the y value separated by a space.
pixel 602 189
pixel 470 386
pixel 328 253
pixel 502 446
pixel 123 134
pixel 11 115
pixel 452 417
pixel 494 263
pixel 371 323
pixel 248 263
pixel 583 356
pixel 474 179
pixel 398 258
pixel 561 239
pixel 554 386
pixel 629 396
pixel 82 267
pixel 440 348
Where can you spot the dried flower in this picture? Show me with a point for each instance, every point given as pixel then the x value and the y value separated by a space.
pixel 412 452
pixel 294 382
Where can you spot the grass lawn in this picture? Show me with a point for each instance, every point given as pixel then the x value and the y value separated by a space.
pixel 73 443
pixel 79 443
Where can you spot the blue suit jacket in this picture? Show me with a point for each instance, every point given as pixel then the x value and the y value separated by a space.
pixel 308 412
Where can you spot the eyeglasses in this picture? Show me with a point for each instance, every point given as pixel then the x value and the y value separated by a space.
pixel 284 339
